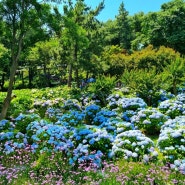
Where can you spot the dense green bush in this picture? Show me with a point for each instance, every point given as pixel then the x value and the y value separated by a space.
pixel 101 88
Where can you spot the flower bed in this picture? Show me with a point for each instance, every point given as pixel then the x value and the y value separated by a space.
pixel 88 134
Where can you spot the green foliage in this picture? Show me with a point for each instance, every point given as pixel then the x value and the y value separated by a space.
pixel 165 27
pixel 109 32
pixel 113 60
pixel 123 28
pixel 48 162
pixel 20 103
pixel 150 57
pixel 145 83
pixel 22 121
pixel 132 173
pixel 3 52
pixel 101 88
pixel 173 75
pixel 2 96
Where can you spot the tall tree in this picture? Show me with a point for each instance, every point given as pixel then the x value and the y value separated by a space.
pixel 19 16
pixel 173 24
pixel 75 35
pixel 136 26
pixel 46 55
pixel 166 27
pixel 124 28
pixel 110 32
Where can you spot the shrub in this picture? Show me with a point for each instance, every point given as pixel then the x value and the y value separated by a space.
pixel 72 118
pixel 90 113
pixel 113 101
pixel 102 88
pixel 4 125
pixel 116 125
pixel 149 120
pixel 132 145
pixel 172 138
pixel 23 120
pixel 71 104
pixel 172 108
pixel 103 116
pixel 131 104
pixel 145 83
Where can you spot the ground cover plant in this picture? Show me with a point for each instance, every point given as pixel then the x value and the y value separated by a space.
pixel 61 139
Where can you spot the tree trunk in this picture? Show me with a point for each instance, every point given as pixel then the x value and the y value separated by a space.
pixel 15 58
pixel 77 77
pixel 8 98
pixel 70 75
pixel 2 82
pixel 30 77
pixel 22 78
pixel 87 76
pixel 75 59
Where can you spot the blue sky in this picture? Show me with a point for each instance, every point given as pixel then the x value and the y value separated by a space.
pixel 132 6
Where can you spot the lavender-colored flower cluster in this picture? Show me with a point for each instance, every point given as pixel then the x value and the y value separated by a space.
pixel 179 165
pixel 71 104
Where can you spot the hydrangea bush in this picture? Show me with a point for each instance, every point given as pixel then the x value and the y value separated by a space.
pixel 178 165
pixel 131 104
pixel 72 118
pixel 132 145
pixel 172 107
pixel 127 115
pixel 162 96
pixel 113 101
pixel 89 133
pixel 90 113
pixel 116 125
pixel 103 116
pixel 149 120
pixel 4 125
pixel 40 106
pixel 23 120
pixel 181 97
pixel 45 136
pixel 172 139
